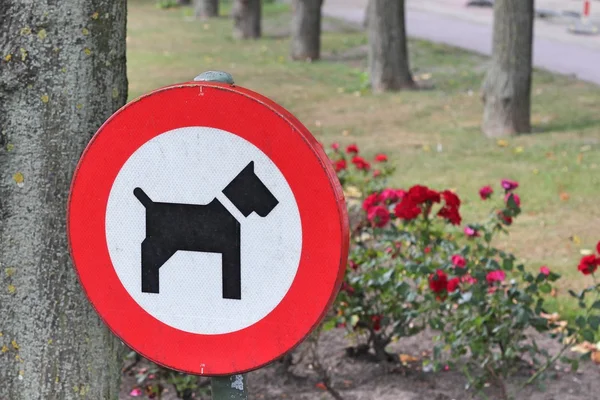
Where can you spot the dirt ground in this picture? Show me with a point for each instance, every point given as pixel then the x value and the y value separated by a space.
pixel 367 380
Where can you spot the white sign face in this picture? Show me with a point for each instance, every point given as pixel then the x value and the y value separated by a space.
pixel 193 254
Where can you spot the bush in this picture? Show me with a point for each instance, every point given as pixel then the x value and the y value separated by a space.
pixel 412 266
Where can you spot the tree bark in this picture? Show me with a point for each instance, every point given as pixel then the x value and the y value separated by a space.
pixel 507 85
pixel 62 73
pixel 246 19
pixel 306 29
pixel 184 2
pixel 207 8
pixel 388 54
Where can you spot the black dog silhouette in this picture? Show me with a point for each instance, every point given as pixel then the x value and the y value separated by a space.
pixel 205 228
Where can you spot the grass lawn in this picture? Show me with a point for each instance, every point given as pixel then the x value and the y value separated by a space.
pixel 558 166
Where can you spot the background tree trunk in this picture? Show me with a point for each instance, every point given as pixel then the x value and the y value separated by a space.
pixel 184 2
pixel 388 54
pixel 246 19
pixel 507 86
pixel 206 8
pixel 367 13
pixel 306 29
pixel 62 73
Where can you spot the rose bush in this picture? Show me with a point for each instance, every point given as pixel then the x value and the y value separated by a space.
pixel 414 264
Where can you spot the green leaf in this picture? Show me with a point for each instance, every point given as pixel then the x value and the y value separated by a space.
pixel 329 325
pixel 573 294
pixel 588 335
pixel 596 304
pixel 580 321
pixel 594 322
pixel 545 288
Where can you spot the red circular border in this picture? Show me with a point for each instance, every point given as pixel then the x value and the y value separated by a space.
pixel 310 175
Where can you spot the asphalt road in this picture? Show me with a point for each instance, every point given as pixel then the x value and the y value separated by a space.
pixel 562 55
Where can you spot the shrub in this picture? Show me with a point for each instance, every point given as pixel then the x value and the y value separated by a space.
pixel 414 264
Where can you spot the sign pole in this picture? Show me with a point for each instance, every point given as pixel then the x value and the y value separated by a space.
pixel 230 387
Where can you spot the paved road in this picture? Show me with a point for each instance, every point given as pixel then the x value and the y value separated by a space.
pixel 471 29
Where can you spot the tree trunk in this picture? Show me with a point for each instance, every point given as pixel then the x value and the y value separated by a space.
pixel 184 2
pixel 367 13
pixel 246 19
pixel 507 86
pixel 388 55
pixel 207 8
pixel 62 73
pixel 306 29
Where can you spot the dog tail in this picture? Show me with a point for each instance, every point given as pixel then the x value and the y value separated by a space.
pixel 142 197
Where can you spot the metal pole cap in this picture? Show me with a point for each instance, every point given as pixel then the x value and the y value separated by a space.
pixel 215 76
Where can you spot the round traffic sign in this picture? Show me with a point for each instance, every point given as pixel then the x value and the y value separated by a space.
pixel 208 228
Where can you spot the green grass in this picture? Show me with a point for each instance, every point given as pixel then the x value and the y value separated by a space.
pixel 557 166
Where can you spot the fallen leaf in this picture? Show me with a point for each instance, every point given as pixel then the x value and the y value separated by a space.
pixel 345 132
pixel 321 386
pixel 564 196
pixel 318 123
pixel 406 358
pixel 426 147
pixel 575 239
pixel 596 356
pixel 519 149
pixel 586 252
pixel 502 143
pixel 579 158
pixel 584 347
pixel 550 155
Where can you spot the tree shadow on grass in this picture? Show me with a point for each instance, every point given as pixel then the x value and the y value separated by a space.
pixel 563 126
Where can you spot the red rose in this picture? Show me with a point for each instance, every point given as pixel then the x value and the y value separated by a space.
pixel 376 173
pixel 544 270
pixel 509 185
pixel 471 232
pixel 485 192
pixel 353 265
pixel 515 197
pixel 495 276
pixel 401 193
pixel 389 194
pixel 451 214
pixel 340 165
pixel 407 210
pixel 347 288
pixel 381 158
pixel 376 320
pixel 505 218
pixel 459 261
pixel 438 281
pixel 422 194
pixel 451 199
pixel 378 216
pixel 453 284
pixel 468 279
pixel 371 201
pixel 352 149
pixel 588 264
pixel 335 146
pixel 598 248
pixel 427 250
pixel 360 163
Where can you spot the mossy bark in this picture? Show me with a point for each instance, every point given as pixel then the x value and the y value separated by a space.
pixel 62 73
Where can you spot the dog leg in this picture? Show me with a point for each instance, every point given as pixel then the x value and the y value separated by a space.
pixel 153 257
pixel 232 280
